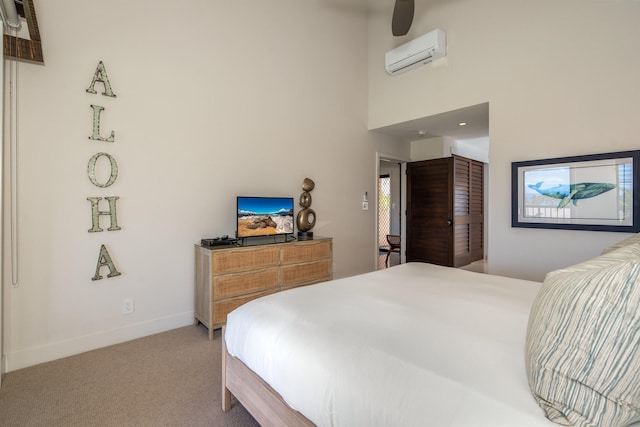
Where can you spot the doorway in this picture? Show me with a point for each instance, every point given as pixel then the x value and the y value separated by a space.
pixel 384 161
pixel 390 222
pixel 464 132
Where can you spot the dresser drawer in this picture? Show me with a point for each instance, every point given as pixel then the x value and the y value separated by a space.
pixel 235 260
pixel 301 273
pixel 224 307
pixel 229 285
pixel 307 251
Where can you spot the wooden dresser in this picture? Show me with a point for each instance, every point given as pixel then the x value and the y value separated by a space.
pixel 226 278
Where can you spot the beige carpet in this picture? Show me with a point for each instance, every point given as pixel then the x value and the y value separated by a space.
pixel 168 379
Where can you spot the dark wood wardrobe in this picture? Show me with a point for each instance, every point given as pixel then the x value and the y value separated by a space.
pixel 445 211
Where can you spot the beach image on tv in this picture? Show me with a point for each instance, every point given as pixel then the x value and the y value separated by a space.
pixel 262 216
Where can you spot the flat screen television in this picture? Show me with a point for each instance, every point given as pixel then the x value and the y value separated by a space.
pixel 264 216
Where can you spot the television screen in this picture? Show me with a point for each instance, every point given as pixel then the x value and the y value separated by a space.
pixel 264 216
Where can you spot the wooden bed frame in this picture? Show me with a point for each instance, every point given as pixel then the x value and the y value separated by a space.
pixel 262 401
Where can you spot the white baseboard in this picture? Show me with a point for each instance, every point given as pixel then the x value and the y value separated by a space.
pixel 34 356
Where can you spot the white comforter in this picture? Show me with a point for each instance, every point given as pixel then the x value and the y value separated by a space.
pixel 413 345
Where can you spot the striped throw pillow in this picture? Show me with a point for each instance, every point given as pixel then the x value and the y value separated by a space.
pixel 628 241
pixel 583 346
pixel 627 252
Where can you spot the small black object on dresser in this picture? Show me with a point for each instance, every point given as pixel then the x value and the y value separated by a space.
pixel 218 241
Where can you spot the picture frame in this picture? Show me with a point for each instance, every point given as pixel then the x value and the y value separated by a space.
pixel 597 192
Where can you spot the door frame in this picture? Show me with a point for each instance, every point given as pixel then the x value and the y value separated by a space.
pixel 403 203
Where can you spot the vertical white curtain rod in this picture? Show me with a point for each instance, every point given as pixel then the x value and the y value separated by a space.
pixel 13 167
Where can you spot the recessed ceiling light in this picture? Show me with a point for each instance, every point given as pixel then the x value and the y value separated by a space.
pixel 462 124
pixel 422 132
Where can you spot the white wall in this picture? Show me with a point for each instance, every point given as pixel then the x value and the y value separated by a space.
pixel 214 100
pixel 475 148
pixel 1 221
pixel 437 147
pixel 427 148
pixel 561 80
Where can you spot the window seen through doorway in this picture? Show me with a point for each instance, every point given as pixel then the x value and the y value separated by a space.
pixel 384 209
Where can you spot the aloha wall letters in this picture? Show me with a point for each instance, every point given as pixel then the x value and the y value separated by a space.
pixel 104 259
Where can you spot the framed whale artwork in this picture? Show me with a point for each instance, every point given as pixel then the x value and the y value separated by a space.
pixel 596 192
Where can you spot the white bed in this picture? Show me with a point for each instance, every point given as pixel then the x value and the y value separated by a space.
pixel 413 345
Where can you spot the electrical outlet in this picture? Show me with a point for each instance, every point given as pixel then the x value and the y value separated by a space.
pixel 365 206
pixel 128 306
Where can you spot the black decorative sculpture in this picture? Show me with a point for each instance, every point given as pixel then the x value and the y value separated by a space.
pixel 306 218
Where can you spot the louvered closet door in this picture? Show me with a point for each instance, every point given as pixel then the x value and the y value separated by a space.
pixel 468 211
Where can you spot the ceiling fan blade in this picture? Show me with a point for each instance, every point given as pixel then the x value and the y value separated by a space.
pixel 402 17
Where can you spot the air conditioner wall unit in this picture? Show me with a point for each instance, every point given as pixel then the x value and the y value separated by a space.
pixel 417 52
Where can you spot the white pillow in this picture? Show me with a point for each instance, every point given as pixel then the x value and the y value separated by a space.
pixel 583 346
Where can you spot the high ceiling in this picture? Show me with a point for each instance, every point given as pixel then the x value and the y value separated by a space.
pixel 446 124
